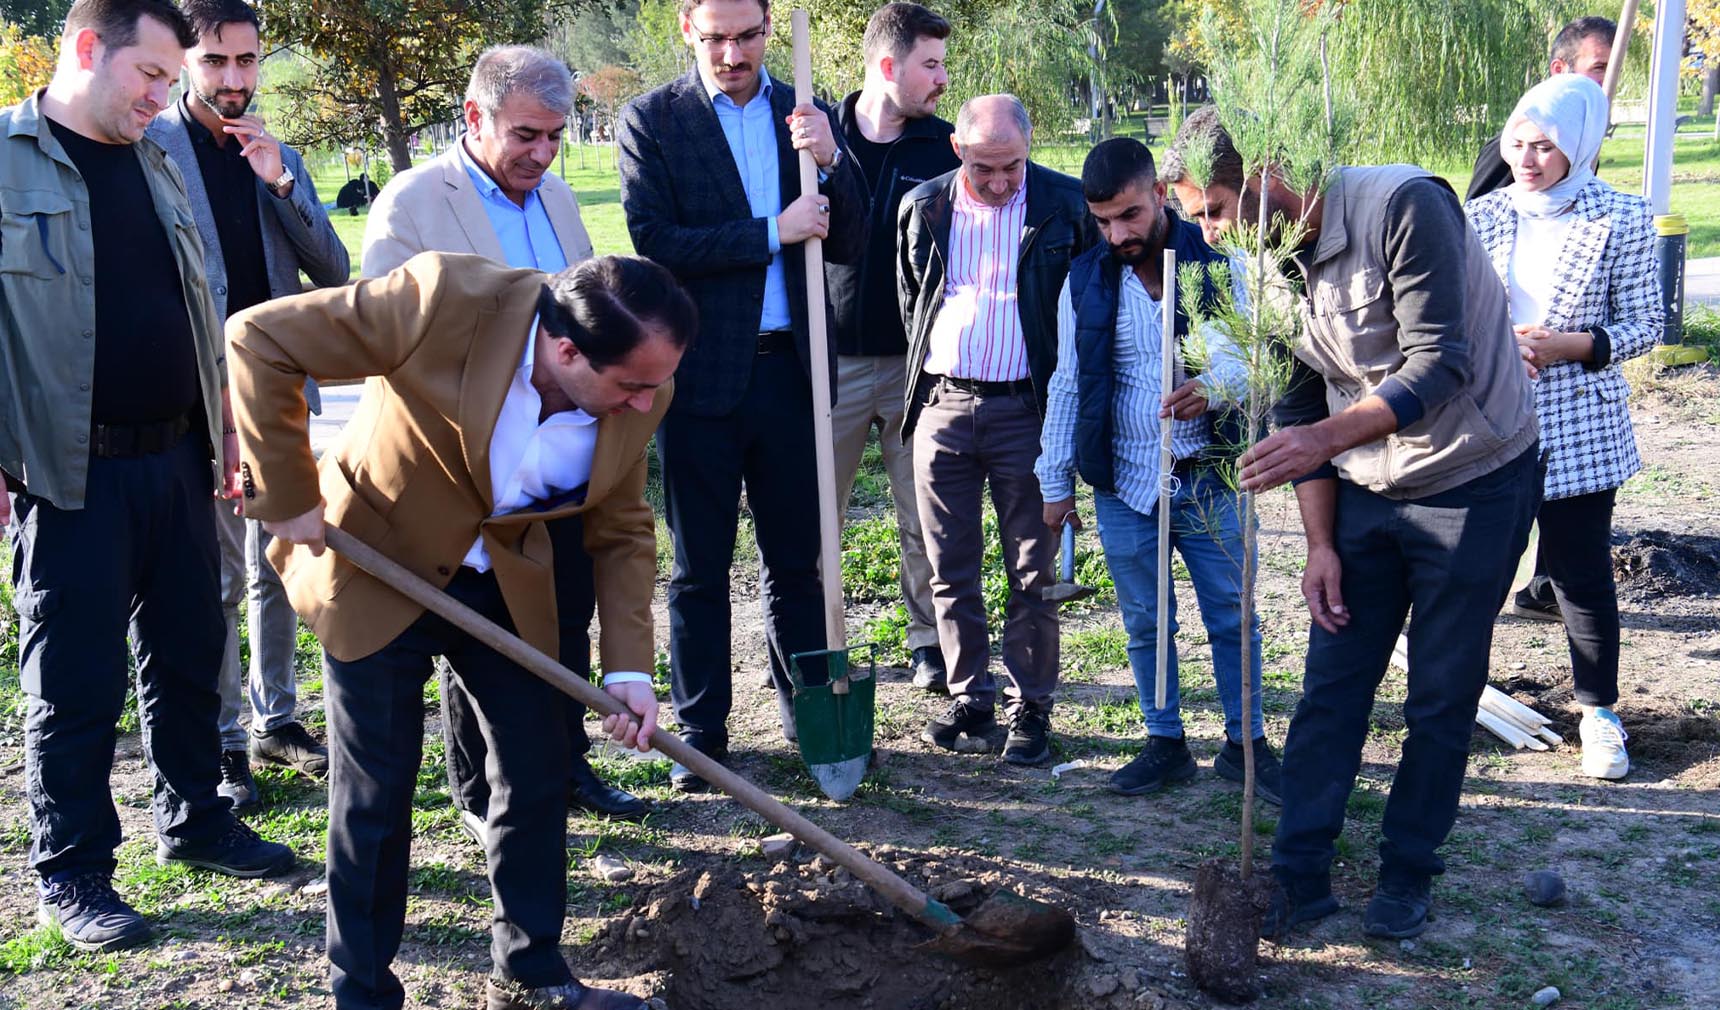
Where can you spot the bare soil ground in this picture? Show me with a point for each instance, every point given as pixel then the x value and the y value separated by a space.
pixel 709 923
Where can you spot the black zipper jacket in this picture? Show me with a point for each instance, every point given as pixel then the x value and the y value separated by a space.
pixel 1058 230
pixel 863 293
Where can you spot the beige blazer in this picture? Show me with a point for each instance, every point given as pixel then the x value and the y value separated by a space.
pixel 434 207
pixel 438 340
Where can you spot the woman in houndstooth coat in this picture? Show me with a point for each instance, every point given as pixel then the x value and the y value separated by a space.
pixel 1577 258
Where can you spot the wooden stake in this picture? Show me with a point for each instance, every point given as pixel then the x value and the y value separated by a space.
pixel 829 523
pixel 1167 462
pixel 1620 47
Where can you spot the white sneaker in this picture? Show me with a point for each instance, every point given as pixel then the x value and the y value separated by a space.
pixel 1603 739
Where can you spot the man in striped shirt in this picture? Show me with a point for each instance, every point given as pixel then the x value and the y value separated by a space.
pixel 1103 421
pixel 982 252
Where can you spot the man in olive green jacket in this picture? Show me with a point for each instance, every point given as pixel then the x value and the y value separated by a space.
pixel 112 402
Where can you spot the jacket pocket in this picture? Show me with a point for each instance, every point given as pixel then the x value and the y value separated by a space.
pixel 34 221
pixel 348 510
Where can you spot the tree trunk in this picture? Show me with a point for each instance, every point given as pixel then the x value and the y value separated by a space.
pixel 1710 85
pixel 388 114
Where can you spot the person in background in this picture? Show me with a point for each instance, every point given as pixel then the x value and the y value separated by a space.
pixel 261 223
pixel 892 128
pixel 1576 257
pixel 492 194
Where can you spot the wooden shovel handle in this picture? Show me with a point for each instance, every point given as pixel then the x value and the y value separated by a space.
pixel 898 891
pixel 829 531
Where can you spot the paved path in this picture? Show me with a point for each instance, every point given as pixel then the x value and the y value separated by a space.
pixel 338 405
pixel 1702 280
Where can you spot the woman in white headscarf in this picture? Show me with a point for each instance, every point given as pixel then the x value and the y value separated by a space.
pixel 1577 258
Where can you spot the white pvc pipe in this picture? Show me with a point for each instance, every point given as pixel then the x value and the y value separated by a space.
pixel 1663 104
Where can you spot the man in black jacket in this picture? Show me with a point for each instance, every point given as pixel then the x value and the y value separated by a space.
pixel 892 130
pixel 710 186
pixel 982 253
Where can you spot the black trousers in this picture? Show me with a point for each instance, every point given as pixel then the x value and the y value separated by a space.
pixel 765 445
pixel 138 558
pixel 1448 558
pixel 376 730
pixel 1573 565
pixel 462 739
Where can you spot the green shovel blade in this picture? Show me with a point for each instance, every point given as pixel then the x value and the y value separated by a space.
pixel 835 728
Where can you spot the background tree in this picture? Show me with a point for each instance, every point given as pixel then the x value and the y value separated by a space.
pixel 1703 28
pixel 36 17
pixel 593 35
pixel 609 88
pixel 26 62
pixel 388 67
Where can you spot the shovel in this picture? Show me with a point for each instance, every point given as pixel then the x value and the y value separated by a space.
pixel 833 698
pixel 1067 590
pixel 1006 929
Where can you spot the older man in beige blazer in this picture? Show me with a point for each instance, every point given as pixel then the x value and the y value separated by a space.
pixel 492 194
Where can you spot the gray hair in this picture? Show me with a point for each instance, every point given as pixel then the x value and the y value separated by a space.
pixel 966 125
pixel 506 70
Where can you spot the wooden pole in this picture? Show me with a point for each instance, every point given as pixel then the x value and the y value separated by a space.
pixel 1621 46
pixel 1167 462
pixel 829 523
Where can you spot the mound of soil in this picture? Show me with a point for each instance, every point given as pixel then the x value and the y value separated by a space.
pixel 1658 563
pixel 807 934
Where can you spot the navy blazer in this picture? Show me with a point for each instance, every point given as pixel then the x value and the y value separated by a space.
pixel 687 209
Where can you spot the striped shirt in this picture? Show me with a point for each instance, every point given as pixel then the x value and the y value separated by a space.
pixel 977 333
pixel 1136 399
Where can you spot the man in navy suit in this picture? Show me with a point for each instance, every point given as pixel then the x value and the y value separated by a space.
pixel 731 229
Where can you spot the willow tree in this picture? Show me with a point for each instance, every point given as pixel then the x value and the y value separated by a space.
pixel 1292 117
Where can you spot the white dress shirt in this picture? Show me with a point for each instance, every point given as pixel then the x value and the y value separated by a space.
pixel 977 333
pixel 533 462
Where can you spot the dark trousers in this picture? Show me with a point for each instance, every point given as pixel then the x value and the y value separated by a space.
pixel 138 558
pixel 463 740
pixel 1573 565
pixel 1448 558
pixel 765 445
pixel 963 443
pixel 375 728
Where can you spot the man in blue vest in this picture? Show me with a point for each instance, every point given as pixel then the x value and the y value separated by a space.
pixel 1102 421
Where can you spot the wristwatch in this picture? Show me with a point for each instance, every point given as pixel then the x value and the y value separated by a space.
pixel 283 182
pixel 829 170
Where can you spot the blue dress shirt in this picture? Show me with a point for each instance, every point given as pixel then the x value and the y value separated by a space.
pixel 751 133
pixel 527 237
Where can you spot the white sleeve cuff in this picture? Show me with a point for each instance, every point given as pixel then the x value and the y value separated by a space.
pixel 625 677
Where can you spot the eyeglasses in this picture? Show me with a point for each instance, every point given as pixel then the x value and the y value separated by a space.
pixel 744 39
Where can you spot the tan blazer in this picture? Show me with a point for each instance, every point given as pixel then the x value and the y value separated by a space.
pixel 436 208
pixel 439 341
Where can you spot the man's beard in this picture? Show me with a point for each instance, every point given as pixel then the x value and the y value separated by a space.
pixel 1136 251
pixel 221 103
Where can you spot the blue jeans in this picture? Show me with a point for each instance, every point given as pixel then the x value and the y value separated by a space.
pixel 1206 529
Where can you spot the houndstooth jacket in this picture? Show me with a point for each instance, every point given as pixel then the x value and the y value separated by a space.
pixel 1607 278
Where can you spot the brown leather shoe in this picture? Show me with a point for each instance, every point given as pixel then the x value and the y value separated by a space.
pixel 500 995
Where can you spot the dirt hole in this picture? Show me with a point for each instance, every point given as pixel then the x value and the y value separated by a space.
pixel 805 933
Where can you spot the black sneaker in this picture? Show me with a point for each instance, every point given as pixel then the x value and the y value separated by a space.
pixel 239 852
pixel 1163 761
pixel 963 727
pixel 1399 910
pixel 1527 605
pixel 291 746
pixel 90 915
pixel 929 671
pixel 236 782
pixel 1267 772
pixel 1296 901
pixel 1029 740
pixel 682 779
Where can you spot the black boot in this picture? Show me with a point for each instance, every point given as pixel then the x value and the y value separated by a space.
pixel 1164 760
pixel 585 791
pixel 930 673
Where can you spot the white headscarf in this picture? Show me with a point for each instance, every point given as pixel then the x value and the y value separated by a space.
pixel 1572 111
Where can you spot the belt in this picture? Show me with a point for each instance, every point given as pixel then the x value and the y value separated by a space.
pixel 111 440
pixel 776 342
pixel 979 387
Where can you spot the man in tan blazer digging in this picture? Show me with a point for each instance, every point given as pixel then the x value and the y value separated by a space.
pixel 499 452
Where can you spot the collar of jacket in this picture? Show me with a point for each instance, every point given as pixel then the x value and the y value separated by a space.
pixel 28 120
pixel 922 128
pixel 940 210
